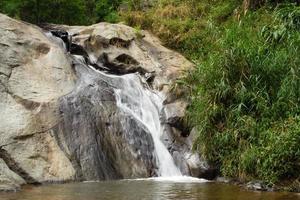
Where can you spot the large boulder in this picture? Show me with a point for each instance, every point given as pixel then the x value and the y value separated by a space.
pixel 123 50
pixel 34 73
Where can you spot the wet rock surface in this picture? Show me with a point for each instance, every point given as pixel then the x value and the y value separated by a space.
pixel 258 186
pixel 102 142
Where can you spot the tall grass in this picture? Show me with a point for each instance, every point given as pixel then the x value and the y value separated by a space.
pixel 247 97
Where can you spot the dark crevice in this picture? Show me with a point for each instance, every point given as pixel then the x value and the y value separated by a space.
pixel 126 59
pixel 6 75
pixel 118 66
pixel 64 35
pixel 28 104
pixel 119 42
pixel 27 136
pixel 4 145
pixel 179 124
pixel 3 44
pixel 15 167
pixel 76 49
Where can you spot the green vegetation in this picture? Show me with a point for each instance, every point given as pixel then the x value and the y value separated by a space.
pixel 79 12
pixel 245 90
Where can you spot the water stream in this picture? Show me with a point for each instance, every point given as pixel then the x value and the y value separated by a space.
pixel 145 106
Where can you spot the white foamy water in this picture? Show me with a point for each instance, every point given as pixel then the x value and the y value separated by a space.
pixel 136 99
pixel 145 106
pixel 175 179
pixel 56 40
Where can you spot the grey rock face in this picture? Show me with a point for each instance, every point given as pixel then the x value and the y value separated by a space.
pixel 101 141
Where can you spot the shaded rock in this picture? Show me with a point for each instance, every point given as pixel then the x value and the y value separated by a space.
pixel 174 114
pixel 256 185
pixel 102 142
pixel 198 165
pixel 9 181
pixel 64 36
pixel 190 162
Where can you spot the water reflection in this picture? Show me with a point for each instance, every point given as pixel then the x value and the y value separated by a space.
pixel 143 190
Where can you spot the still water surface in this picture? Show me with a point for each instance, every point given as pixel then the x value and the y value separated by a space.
pixel 143 190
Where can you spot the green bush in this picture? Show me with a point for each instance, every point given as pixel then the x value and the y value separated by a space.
pixel 75 12
pixel 242 92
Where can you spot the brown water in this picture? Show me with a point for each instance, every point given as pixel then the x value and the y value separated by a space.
pixel 143 190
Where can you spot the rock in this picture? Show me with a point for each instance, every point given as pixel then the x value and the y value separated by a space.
pixel 189 161
pixel 174 114
pixel 198 164
pixel 9 181
pixel 223 180
pixel 101 141
pixel 124 53
pixel 34 73
pixel 64 36
pixel 118 47
pixel 256 185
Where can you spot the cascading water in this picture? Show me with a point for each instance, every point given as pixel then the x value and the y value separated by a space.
pixel 135 99
pixel 145 105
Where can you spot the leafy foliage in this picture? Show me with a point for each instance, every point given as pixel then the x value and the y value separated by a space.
pixel 248 100
pixel 62 11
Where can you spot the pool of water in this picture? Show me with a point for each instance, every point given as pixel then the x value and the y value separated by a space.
pixel 151 189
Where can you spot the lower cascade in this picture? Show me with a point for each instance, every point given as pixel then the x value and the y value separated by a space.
pixel 135 98
pixel 145 106
pixel 138 101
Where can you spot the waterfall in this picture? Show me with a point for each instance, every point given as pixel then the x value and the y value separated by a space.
pixel 145 106
pixel 134 98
